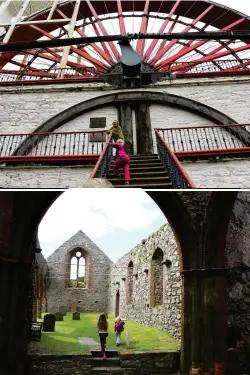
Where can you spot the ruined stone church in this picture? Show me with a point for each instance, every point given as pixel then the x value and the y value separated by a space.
pixel 144 285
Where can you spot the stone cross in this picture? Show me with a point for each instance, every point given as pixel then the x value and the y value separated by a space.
pixel 49 323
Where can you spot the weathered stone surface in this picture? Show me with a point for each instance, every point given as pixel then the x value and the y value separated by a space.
pixel 142 308
pixel 53 310
pixel 63 310
pixel 94 296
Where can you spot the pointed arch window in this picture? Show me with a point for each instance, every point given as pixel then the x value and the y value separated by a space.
pixel 77 270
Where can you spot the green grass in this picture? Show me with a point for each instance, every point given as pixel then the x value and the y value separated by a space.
pixel 65 337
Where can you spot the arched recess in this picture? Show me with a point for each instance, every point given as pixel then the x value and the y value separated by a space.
pixel 20 215
pixel 156 278
pixel 130 283
pixel 124 97
pixel 117 303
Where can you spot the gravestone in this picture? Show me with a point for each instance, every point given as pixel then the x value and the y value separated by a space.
pixel 63 310
pixel 76 316
pixel 53 310
pixel 49 323
pixel 59 316
pixel 73 308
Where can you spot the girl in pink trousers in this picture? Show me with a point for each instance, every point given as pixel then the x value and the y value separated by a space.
pixel 122 160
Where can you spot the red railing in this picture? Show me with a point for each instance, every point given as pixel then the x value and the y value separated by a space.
pixel 56 146
pixel 179 178
pixel 207 139
pixel 103 164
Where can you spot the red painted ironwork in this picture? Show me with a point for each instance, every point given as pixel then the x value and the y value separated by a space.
pixel 177 167
pixel 101 159
pixel 187 15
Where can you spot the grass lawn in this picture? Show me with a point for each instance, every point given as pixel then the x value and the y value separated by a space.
pixel 65 337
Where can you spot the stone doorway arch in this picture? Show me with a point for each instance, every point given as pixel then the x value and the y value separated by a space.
pixel 199 221
pixel 117 303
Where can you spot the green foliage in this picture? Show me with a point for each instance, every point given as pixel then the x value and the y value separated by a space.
pixel 65 337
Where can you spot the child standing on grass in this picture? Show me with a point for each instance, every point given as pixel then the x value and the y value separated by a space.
pixel 102 329
pixel 122 160
pixel 119 328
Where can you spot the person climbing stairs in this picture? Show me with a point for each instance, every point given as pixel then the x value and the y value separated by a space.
pixel 146 172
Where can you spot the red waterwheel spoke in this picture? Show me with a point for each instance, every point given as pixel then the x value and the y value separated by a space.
pixel 194 46
pixel 161 53
pixel 161 30
pixel 144 24
pixel 121 18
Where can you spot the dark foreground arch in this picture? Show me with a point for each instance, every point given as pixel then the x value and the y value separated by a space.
pixel 133 97
pixel 191 215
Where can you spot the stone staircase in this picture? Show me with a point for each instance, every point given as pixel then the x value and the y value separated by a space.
pixel 146 172
pixel 110 366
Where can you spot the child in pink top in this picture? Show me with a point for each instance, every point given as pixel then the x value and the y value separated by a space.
pixel 122 160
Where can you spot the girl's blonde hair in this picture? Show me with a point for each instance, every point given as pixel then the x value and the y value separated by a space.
pixel 118 140
pixel 102 322
pixel 116 122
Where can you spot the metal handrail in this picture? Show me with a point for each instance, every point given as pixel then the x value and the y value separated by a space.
pixel 88 142
pixel 103 164
pixel 179 178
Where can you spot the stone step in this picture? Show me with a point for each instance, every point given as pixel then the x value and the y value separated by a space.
pixel 110 362
pixel 138 174
pixel 143 169
pixel 145 161
pixel 152 185
pixel 143 179
pixel 148 157
pixel 107 370
pixel 109 353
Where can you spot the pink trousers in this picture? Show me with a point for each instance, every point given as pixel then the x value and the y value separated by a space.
pixel 119 163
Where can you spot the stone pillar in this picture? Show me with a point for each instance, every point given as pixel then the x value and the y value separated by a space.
pixel 125 118
pixel 143 129
pixel 186 325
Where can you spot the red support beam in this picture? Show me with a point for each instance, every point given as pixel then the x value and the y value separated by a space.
pixel 162 52
pixel 143 28
pixel 161 30
pixel 103 44
pixel 104 31
pixel 121 18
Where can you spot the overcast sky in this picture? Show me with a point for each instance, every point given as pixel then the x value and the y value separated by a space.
pixel 115 219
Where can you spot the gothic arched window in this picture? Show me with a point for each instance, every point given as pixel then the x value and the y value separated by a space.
pixel 130 283
pixel 77 269
pixel 156 290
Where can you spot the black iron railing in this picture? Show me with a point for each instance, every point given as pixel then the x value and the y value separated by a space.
pixel 103 164
pixel 207 138
pixel 53 144
pixel 177 174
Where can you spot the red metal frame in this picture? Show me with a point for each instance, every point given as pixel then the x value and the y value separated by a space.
pixel 214 152
pixel 107 54
pixel 47 158
pixel 97 166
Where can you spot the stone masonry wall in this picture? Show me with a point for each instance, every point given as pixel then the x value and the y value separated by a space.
pixel 166 316
pixel 95 296
pixel 43 177
pixel 23 109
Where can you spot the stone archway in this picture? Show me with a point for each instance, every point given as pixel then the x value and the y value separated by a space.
pixel 125 101
pixel 193 217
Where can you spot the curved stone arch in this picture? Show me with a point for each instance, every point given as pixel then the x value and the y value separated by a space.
pixel 131 96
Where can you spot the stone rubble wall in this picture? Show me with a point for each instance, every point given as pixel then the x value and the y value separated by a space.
pixel 95 296
pixel 166 316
